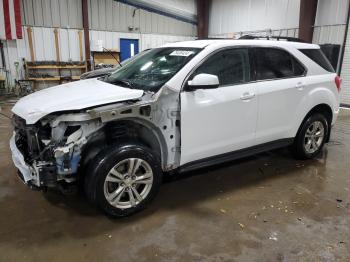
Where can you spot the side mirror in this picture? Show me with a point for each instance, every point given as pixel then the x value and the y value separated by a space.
pixel 203 81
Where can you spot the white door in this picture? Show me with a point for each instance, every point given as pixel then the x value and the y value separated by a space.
pixel 220 120
pixel 280 88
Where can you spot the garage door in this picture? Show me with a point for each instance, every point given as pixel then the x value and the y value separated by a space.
pixel 345 74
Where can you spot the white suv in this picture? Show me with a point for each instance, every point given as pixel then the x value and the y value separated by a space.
pixel 180 107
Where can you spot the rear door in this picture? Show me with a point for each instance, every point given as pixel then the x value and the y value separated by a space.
pixel 280 87
pixel 220 120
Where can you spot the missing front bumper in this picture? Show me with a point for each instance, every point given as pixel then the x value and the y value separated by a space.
pixel 27 172
pixel 40 175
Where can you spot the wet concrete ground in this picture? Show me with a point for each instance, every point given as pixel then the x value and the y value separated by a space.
pixel 265 208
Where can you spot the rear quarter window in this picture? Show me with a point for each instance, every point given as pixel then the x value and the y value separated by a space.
pixel 319 58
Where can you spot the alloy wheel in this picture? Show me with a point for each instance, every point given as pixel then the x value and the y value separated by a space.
pixel 314 136
pixel 128 183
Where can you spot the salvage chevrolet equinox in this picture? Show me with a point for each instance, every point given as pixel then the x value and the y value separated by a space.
pixel 183 106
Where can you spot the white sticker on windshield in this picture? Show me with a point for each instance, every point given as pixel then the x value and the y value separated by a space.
pixel 181 53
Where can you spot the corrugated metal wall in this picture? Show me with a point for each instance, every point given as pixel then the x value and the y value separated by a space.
pixel 345 74
pixel 330 21
pixel 232 16
pixel 44 44
pixel 110 15
pixel 330 29
pixel 52 13
pixel 110 40
pixel 104 15
pixel 109 21
pixel 188 6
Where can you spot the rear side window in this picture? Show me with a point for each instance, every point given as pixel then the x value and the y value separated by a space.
pixel 319 58
pixel 231 66
pixel 272 63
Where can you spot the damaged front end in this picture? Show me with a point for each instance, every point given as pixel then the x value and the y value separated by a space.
pixel 47 153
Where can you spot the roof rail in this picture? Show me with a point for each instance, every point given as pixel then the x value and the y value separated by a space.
pixel 215 38
pixel 278 38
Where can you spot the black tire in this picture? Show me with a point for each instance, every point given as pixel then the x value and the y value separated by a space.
pixel 102 164
pixel 299 148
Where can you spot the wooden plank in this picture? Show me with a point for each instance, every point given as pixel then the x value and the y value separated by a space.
pixel 56 67
pixel 30 40
pixel 44 79
pixel 80 33
pixel 57 46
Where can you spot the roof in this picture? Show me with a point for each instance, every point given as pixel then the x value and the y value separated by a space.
pixel 229 42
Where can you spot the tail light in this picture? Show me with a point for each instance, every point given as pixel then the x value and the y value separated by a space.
pixel 338 82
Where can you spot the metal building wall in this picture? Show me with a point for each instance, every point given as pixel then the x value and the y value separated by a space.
pixel 330 21
pixel 52 13
pixel 110 39
pixel 345 74
pixel 110 15
pixel 109 21
pixel 229 17
pixel 329 28
pixel 188 6
pixel 105 15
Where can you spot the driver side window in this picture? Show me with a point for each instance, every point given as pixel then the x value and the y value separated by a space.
pixel 231 66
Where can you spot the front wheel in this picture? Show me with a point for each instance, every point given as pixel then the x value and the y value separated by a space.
pixel 311 137
pixel 123 180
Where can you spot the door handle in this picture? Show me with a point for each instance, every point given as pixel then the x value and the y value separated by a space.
pixel 300 86
pixel 247 96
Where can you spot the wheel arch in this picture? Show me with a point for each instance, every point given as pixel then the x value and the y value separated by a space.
pixel 323 109
pixel 122 131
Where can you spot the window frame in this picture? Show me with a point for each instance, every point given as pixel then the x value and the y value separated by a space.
pixel 328 63
pixel 206 58
pixel 254 57
pixel 252 64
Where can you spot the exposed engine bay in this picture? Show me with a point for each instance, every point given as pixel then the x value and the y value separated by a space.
pixel 55 147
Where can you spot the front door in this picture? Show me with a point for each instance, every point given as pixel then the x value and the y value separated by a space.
pixel 128 48
pixel 220 120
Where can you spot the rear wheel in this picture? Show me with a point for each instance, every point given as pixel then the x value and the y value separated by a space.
pixel 123 180
pixel 311 137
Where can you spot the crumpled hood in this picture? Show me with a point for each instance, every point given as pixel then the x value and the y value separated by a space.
pixel 71 96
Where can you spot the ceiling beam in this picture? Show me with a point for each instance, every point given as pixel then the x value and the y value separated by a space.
pixel 162 9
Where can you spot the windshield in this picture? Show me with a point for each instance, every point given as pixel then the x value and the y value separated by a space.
pixel 153 69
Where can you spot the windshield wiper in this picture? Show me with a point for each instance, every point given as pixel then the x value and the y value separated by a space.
pixel 123 82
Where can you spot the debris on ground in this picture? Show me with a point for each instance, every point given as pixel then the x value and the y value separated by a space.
pixel 273 236
pixel 241 225
pixel 223 210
